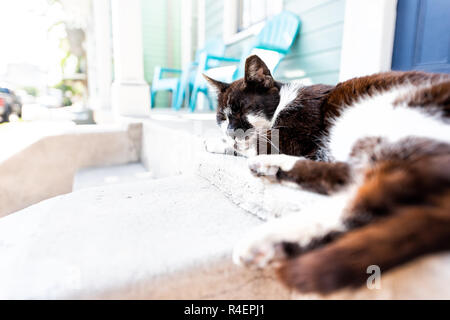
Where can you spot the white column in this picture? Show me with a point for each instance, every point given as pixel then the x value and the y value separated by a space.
pixel 201 28
pixel 368 41
pixel 130 92
pixel 201 38
pixel 186 31
pixel 102 70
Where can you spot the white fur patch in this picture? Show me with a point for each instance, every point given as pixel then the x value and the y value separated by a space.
pixel 377 117
pixel 258 122
pixel 224 126
pixel 288 93
pixel 227 111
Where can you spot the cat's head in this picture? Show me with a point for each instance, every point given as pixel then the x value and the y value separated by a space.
pixel 247 103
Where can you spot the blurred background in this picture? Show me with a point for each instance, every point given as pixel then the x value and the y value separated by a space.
pixel 43 61
pixel 87 61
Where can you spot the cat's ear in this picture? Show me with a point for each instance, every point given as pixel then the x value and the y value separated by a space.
pixel 219 86
pixel 256 72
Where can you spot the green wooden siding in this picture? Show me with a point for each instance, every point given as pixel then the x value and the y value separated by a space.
pixel 315 55
pixel 214 18
pixel 161 23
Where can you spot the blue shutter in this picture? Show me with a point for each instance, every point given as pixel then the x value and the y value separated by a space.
pixel 422 36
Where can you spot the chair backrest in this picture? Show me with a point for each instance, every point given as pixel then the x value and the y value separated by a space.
pixel 279 33
pixel 214 47
pixel 273 41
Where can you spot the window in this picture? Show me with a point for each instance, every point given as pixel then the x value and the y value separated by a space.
pixel 250 12
pixel 244 18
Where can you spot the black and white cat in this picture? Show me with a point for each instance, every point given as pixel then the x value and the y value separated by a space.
pixel 379 145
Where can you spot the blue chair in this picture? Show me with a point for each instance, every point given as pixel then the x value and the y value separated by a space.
pixel 160 83
pixel 272 44
pixel 184 83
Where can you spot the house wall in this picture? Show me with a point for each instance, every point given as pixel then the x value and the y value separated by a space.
pixel 161 28
pixel 316 54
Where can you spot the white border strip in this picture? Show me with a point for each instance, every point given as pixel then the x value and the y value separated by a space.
pixel 368 40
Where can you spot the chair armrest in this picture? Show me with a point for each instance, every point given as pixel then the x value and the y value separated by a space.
pixel 222 59
pixel 159 71
pixel 205 61
pixel 170 70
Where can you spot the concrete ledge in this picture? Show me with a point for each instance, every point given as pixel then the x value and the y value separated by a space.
pixel 156 239
pixel 43 164
pixel 169 152
pixel 232 176
pixel 215 279
pixel 169 238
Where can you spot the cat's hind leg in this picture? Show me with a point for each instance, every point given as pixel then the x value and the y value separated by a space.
pixel 406 234
pixel 320 177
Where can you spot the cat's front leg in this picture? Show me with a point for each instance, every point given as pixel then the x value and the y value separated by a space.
pixel 289 236
pixel 320 177
pixel 237 147
pixel 268 166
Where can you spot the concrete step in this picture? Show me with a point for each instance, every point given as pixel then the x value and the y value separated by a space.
pixel 100 176
pixel 39 159
pixel 169 238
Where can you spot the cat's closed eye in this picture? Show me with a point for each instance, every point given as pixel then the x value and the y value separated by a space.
pixel 235 108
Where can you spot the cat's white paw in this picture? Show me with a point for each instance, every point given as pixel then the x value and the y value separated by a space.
pixel 259 249
pixel 217 146
pixel 268 165
pixel 267 244
pixel 264 245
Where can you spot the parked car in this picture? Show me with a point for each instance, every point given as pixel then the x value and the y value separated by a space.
pixel 10 105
